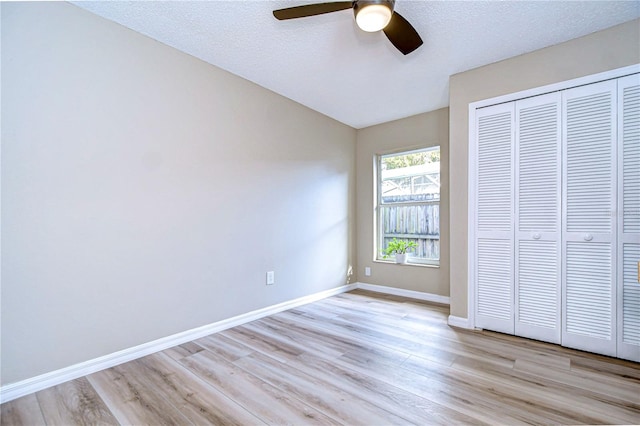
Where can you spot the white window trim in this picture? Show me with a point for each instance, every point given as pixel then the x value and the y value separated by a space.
pixel 377 204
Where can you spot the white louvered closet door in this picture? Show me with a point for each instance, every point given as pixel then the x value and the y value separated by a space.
pixel 494 229
pixel 537 212
pixel 589 219
pixel 629 214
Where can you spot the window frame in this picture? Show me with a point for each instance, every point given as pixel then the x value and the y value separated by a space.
pixel 377 201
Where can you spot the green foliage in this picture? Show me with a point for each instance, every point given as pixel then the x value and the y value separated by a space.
pixel 409 160
pixel 399 247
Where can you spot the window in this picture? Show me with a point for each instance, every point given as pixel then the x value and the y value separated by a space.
pixel 408 203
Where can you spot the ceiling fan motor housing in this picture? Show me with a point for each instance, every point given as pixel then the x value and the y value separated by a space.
pixel 360 6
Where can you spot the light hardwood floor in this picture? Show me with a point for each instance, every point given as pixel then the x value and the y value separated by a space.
pixel 357 358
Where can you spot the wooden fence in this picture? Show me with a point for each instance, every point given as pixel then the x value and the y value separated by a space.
pixel 417 223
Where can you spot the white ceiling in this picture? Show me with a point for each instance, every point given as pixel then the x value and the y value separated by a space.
pixel 358 78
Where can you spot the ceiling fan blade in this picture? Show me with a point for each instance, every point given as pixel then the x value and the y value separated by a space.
pixel 311 10
pixel 402 34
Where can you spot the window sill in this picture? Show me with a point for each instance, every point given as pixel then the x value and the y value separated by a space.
pixel 420 265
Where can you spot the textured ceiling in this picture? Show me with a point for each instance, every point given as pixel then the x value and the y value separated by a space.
pixel 358 78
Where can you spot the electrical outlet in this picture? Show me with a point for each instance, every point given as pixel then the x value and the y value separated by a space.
pixel 367 271
pixel 271 278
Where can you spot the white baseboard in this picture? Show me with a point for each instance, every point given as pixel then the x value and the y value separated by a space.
pixel 459 322
pixel 25 387
pixel 429 297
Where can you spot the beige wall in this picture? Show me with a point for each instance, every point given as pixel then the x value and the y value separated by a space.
pixel 145 192
pixel 419 131
pixel 613 48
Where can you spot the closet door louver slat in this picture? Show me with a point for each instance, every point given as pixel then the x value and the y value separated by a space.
pixel 588 167
pixel 494 229
pixel 537 213
pixel 538 289
pixel 589 203
pixel 494 172
pixel 588 289
pixel 494 277
pixel 629 207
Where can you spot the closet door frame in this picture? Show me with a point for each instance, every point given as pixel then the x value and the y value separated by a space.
pixel 580 334
pixel 626 350
pixel 535 326
pixel 470 320
pixel 496 240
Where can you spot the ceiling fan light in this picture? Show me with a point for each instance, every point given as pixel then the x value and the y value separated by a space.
pixel 373 17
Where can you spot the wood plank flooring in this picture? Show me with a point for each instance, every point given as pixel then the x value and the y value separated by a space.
pixel 359 358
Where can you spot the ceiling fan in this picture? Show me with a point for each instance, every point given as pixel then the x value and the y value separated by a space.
pixel 371 16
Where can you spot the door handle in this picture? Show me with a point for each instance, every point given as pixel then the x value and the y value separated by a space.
pixel 588 237
pixel 536 236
